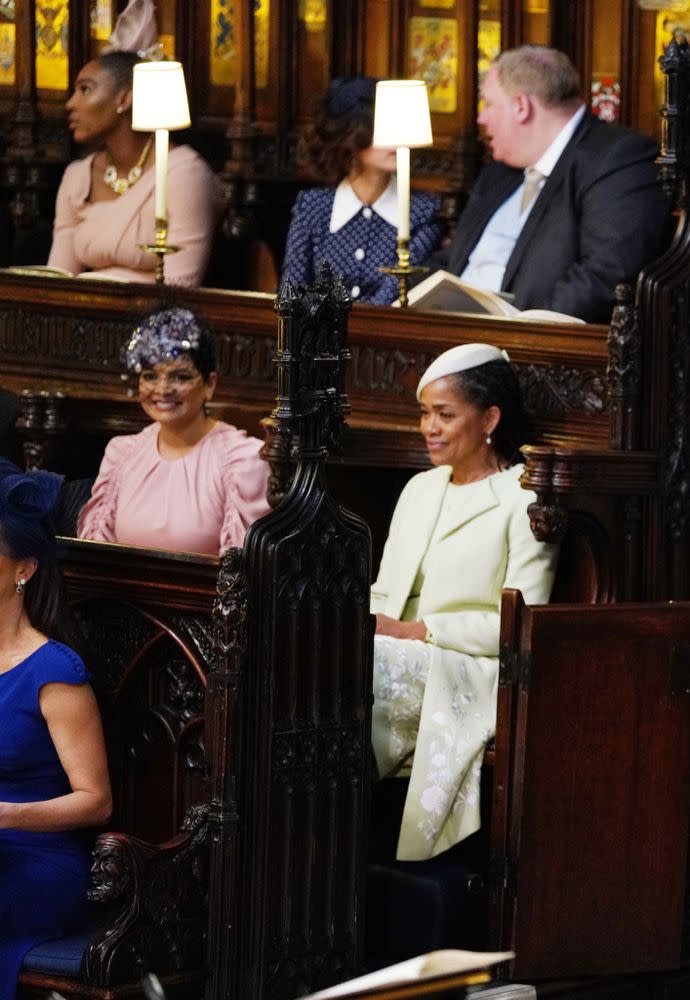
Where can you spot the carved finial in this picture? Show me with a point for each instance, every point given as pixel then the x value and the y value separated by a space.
pixel 624 369
pixel 286 295
pixel 230 605
pixel 310 358
pixel 674 52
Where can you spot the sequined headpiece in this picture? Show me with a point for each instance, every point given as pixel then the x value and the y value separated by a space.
pixel 162 336
pixel 27 500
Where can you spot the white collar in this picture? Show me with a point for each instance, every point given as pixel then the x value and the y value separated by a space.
pixel 346 205
pixel 549 158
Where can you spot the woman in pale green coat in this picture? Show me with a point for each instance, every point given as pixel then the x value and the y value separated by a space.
pixel 459 535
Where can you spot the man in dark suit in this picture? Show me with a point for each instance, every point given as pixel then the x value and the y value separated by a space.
pixel 570 205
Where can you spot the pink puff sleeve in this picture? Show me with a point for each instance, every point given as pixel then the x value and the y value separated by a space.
pixel 97 516
pixel 244 476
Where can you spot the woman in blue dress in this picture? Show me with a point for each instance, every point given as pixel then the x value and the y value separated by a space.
pixel 353 224
pixel 53 770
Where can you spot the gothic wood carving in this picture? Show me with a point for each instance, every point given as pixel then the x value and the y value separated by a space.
pixel 158 900
pixel 624 370
pixel 307 687
pixel 225 724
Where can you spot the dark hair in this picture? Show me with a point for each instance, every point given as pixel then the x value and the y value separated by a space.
pixel 343 125
pixel 204 356
pixel 120 66
pixel 46 605
pixel 27 502
pixel 495 384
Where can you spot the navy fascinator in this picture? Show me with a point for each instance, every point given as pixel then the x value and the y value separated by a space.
pixel 162 336
pixel 27 500
pixel 351 97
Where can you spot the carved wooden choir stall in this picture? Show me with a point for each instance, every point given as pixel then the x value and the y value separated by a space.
pixel 237 696
pixel 240 718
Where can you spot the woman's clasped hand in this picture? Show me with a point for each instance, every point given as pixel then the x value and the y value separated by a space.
pixel 53 769
pixel 459 534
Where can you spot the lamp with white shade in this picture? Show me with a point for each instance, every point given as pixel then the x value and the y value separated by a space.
pixel 159 104
pixel 402 121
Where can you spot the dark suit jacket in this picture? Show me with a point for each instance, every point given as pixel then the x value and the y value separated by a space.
pixel 600 217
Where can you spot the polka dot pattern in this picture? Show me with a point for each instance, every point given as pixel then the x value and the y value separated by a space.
pixel 359 248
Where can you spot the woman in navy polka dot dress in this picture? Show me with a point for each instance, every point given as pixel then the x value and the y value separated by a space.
pixel 353 225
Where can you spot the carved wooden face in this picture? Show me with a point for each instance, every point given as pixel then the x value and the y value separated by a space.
pixel 173 393
pixel 455 430
pixel 93 106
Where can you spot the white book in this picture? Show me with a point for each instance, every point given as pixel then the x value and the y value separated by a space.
pixel 48 271
pixel 446 292
pixel 434 965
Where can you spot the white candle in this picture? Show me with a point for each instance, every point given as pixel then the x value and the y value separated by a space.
pixel 403 179
pixel 162 174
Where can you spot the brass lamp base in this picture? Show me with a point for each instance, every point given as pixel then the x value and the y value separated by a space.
pixel 159 249
pixel 403 269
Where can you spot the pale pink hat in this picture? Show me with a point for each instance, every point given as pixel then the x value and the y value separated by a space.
pixel 135 29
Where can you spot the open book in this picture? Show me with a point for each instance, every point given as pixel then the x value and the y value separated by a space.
pixel 47 271
pixel 446 292
pixel 448 967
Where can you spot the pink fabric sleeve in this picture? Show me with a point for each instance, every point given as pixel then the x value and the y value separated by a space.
pixel 244 476
pixel 97 516
pixel 194 206
pixel 62 253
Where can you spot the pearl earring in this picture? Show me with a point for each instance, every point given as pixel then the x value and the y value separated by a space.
pixel 20 585
pixel 488 439
pixel 120 108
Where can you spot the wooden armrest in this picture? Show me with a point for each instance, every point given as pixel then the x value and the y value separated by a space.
pixel 158 894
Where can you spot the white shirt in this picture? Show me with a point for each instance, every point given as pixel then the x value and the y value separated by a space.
pixel 346 205
pixel 487 262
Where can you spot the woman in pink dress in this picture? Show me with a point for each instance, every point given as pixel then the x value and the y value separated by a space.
pixel 105 203
pixel 186 482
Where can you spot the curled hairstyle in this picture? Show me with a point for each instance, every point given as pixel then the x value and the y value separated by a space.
pixel 547 74
pixel 495 384
pixel 119 66
pixel 27 502
pixel 343 125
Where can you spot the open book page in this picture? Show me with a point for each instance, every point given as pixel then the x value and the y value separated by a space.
pixel 544 316
pixel 47 271
pixel 38 270
pixel 99 276
pixel 449 962
pixel 448 293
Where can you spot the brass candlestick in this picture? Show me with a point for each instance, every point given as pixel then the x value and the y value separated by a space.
pixel 159 249
pixel 403 269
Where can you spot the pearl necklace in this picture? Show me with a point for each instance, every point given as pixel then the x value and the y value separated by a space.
pixel 121 185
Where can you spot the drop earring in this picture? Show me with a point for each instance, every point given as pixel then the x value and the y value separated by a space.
pixel 488 439
pixel 20 585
